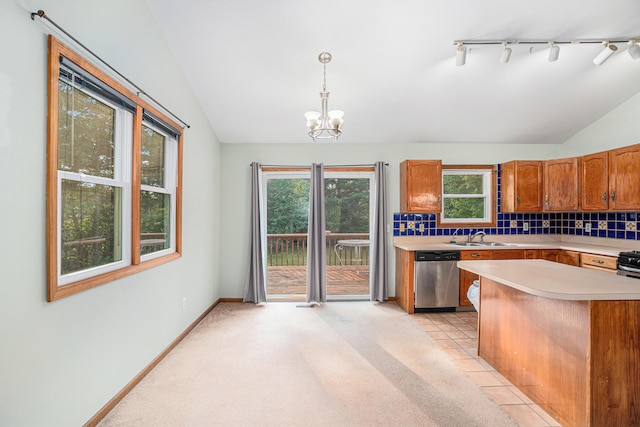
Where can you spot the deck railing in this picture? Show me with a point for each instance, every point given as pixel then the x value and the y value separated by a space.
pixel 291 250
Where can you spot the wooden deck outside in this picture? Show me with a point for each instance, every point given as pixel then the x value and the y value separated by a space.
pixel 284 281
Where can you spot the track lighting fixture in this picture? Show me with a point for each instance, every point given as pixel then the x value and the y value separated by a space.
pixel 554 51
pixel 634 49
pixel 506 53
pixel 461 54
pixel 609 49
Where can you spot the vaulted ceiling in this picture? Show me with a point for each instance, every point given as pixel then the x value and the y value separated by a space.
pixel 253 66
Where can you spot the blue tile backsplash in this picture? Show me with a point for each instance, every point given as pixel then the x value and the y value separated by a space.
pixel 614 225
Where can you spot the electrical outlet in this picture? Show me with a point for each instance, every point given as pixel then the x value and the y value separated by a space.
pixel 587 227
pixel 184 303
pixel 525 226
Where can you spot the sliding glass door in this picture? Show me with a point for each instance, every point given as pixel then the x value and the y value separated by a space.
pixel 348 205
pixel 286 213
pixel 348 224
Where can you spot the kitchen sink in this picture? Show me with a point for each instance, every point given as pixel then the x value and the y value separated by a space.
pixel 481 244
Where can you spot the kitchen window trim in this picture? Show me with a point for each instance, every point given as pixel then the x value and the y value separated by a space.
pixel 55 289
pixel 493 198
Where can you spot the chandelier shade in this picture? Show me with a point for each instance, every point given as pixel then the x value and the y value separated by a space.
pixel 323 124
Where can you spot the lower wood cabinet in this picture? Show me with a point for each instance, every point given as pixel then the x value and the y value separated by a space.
pixel 599 262
pixel 569 257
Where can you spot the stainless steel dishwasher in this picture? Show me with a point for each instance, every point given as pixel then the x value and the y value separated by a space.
pixel 436 280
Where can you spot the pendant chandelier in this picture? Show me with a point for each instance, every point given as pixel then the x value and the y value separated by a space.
pixel 324 125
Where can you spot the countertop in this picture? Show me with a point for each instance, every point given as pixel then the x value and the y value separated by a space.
pixel 589 245
pixel 554 280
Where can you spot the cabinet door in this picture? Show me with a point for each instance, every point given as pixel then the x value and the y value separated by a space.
pixel 569 257
pixel 421 186
pixel 624 178
pixel 594 182
pixel 466 279
pixel 549 254
pixel 522 186
pixel 561 185
pixel 532 254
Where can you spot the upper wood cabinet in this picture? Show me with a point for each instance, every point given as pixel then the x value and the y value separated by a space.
pixel 522 186
pixel 561 184
pixel 421 186
pixel 624 178
pixel 594 182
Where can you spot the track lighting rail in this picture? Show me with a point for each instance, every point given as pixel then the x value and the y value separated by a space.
pixel 547 41
pixel 609 47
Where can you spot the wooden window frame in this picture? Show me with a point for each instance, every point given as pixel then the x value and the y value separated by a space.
pixel 493 208
pixel 55 291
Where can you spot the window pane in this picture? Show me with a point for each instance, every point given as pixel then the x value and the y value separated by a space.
pixel 152 157
pixel 86 130
pixel 347 205
pixel 288 206
pixel 155 214
pixel 462 184
pixel 464 208
pixel 91 225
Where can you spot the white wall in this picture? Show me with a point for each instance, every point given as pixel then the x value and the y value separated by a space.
pixel 237 186
pixel 60 362
pixel 618 128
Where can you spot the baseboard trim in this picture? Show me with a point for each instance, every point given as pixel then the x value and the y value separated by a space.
pixel 93 421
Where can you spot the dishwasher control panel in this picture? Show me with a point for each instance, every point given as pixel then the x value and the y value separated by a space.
pixel 437 255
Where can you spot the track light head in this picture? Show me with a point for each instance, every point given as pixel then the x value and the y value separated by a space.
pixel 506 53
pixel 461 54
pixel 609 49
pixel 554 52
pixel 634 49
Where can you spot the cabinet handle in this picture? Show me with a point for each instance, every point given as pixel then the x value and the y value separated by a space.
pixel 475 255
pixel 439 199
pixel 598 261
pixel 604 196
pixel 518 199
pixel 613 196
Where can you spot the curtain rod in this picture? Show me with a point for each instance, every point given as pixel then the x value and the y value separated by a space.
pixel 42 15
pixel 328 166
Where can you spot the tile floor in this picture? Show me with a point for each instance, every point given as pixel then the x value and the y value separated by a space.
pixel 456 333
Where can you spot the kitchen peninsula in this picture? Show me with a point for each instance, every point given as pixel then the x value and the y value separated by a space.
pixel 567 337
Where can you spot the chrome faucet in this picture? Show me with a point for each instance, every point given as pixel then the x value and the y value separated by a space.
pixel 479 233
pixel 453 236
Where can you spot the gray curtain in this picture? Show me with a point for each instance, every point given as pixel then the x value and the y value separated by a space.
pixel 316 243
pixel 255 286
pixel 379 256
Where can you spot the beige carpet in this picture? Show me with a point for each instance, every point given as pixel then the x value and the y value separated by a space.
pixel 340 364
